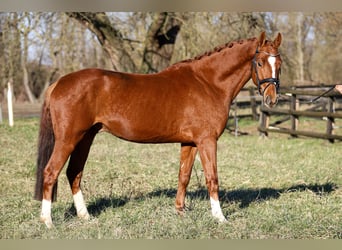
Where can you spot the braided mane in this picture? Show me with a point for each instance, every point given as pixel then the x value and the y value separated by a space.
pixel 216 50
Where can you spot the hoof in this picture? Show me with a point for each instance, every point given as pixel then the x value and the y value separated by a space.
pixel 221 219
pixel 47 221
pixel 84 216
pixel 181 211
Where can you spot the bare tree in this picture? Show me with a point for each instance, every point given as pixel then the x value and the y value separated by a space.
pixel 327 61
pixel 25 29
pixel 112 40
pixel 11 53
pixel 202 31
pixel 60 45
pixel 160 41
pixel 157 46
pixel 295 28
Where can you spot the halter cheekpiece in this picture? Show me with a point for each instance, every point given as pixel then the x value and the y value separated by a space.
pixel 270 80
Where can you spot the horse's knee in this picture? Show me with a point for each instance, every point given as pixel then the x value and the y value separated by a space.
pixel 184 179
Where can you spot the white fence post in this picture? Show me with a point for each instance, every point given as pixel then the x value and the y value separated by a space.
pixel 10 104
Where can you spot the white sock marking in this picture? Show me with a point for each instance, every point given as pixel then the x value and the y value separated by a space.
pixel 271 61
pixel 46 209
pixel 80 206
pixel 45 215
pixel 216 210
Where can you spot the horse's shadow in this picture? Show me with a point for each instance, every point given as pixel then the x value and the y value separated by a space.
pixel 243 196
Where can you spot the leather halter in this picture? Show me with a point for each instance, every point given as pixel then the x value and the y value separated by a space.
pixel 270 80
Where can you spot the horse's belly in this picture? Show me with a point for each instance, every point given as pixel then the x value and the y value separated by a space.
pixel 148 131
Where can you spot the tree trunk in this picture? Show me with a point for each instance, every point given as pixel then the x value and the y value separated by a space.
pixel 160 41
pixel 26 84
pixel 110 38
pixel 12 51
pixel 27 88
pixel 300 47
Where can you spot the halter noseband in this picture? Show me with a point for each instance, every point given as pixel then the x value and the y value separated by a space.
pixel 270 80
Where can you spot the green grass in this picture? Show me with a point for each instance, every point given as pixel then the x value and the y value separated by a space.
pixel 270 188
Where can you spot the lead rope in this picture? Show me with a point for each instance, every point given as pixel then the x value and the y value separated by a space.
pixel 318 97
pixel 321 95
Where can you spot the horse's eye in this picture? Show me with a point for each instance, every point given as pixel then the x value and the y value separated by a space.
pixel 259 64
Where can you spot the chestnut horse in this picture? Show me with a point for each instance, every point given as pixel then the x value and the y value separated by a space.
pixel 187 103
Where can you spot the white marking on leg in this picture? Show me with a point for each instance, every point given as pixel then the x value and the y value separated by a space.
pixel 80 206
pixel 45 215
pixel 216 210
pixel 271 61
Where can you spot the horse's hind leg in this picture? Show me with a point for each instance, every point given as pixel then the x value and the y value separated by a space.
pixel 188 153
pixel 75 170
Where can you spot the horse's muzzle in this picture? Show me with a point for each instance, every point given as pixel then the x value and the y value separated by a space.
pixel 270 101
pixel 270 95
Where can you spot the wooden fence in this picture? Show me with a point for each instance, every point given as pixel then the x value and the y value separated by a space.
pixel 246 104
pixel 297 99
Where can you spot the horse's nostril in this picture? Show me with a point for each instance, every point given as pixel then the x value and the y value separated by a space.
pixel 268 101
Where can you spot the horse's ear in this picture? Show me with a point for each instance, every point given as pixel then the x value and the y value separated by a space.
pixel 277 41
pixel 262 39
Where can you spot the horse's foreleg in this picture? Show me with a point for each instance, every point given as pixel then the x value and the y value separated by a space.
pixel 75 170
pixel 187 159
pixel 208 153
pixel 57 160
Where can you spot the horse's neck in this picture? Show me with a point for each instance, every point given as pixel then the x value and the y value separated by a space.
pixel 229 69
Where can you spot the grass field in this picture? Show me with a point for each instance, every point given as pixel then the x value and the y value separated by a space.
pixel 270 188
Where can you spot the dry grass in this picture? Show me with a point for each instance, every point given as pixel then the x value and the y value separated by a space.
pixel 270 188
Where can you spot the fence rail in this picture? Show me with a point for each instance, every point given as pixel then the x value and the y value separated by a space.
pixel 22 110
pixel 294 112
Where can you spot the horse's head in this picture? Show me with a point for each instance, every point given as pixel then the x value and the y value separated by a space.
pixel 266 69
